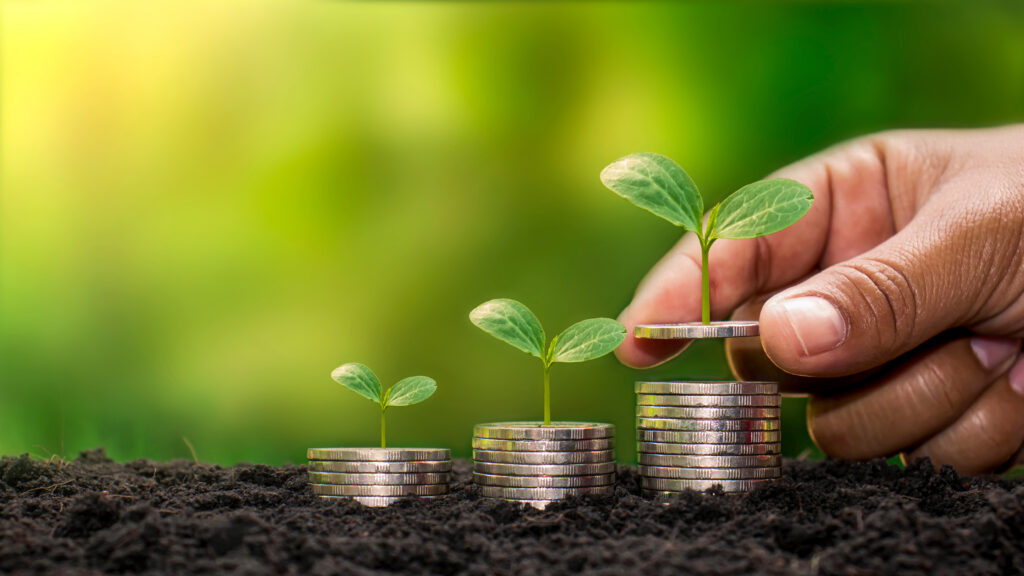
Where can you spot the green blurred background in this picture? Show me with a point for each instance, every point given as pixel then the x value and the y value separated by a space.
pixel 207 207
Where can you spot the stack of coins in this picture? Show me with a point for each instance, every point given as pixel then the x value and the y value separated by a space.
pixel 536 464
pixel 695 435
pixel 379 476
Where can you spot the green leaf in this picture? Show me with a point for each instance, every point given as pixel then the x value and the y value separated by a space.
pixel 587 340
pixel 709 229
pixel 411 390
pixel 359 379
pixel 657 184
pixel 511 322
pixel 763 208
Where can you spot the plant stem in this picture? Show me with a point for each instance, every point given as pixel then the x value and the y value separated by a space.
pixel 382 424
pixel 547 394
pixel 705 285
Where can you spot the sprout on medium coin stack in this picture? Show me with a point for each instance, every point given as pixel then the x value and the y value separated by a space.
pixel 539 462
pixel 697 435
pixel 379 476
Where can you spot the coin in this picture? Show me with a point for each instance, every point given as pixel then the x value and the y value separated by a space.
pixel 731 388
pixel 379 454
pixel 538 504
pixel 544 445
pixel 376 501
pixel 707 437
pixel 707 413
pixel 677 485
pixel 380 467
pixel 709 400
pixel 691 330
pixel 539 431
pixel 544 470
pixel 543 481
pixel 691 461
pixel 391 490
pixel 708 449
pixel 543 493
pixel 710 473
pixel 579 457
pixel 379 479
pixel 710 425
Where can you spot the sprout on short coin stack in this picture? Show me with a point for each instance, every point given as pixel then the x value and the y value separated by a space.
pixel 540 462
pixel 379 476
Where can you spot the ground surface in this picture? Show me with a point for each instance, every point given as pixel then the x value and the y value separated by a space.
pixel 92 515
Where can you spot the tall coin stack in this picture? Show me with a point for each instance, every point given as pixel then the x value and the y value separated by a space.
pixel 696 435
pixel 537 464
pixel 379 476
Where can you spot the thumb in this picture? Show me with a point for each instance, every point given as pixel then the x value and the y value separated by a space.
pixel 863 312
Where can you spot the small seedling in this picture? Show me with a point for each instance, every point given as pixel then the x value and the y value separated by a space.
pixel 657 184
pixel 512 322
pixel 363 381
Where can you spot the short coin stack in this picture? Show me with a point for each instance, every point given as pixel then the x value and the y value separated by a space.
pixel 695 435
pixel 379 476
pixel 537 464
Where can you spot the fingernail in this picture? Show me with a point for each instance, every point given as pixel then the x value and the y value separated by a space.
pixel 1017 376
pixel 993 352
pixel 815 322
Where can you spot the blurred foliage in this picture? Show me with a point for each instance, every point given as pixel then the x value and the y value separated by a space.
pixel 204 209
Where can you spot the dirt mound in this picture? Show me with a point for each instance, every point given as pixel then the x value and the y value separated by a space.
pixel 821 518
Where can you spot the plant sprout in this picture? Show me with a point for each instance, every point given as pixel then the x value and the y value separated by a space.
pixel 658 185
pixel 363 381
pixel 512 322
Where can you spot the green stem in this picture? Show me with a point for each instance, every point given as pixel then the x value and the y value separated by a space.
pixel 382 428
pixel 547 394
pixel 705 285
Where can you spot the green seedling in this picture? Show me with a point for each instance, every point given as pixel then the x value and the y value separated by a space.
pixel 658 185
pixel 363 381
pixel 512 322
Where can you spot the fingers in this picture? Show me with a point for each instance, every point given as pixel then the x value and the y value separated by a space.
pixel 851 176
pixel 916 402
pixel 987 435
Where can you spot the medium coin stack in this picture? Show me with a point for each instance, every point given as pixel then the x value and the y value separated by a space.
pixel 695 435
pixel 379 476
pixel 537 464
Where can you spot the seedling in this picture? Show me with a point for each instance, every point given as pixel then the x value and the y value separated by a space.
pixel 363 381
pixel 512 322
pixel 658 185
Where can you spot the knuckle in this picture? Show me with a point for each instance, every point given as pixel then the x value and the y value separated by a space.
pixel 886 293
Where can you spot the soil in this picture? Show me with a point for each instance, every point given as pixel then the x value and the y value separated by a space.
pixel 96 516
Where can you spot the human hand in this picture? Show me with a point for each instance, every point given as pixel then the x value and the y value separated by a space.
pixel 897 301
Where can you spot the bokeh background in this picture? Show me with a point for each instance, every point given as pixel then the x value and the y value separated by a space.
pixel 205 207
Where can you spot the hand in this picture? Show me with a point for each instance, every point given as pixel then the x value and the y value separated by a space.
pixel 897 301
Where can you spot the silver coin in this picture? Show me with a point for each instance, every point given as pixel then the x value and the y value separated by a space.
pixel 743 412
pixel 707 437
pixel 709 425
pixel 543 481
pixel 380 490
pixel 379 454
pixel 540 431
pixel 672 448
pixel 375 501
pixel 544 445
pixel 544 469
pixel 691 330
pixel 538 504
pixel 542 493
pixel 710 400
pixel 379 479
pixel 579 457
pixel 727 388
pixel 710 473
pixel 722 461
pixel 677 485
pixel 380 467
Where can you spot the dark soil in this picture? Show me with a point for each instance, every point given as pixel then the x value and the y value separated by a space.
pixel 93 515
